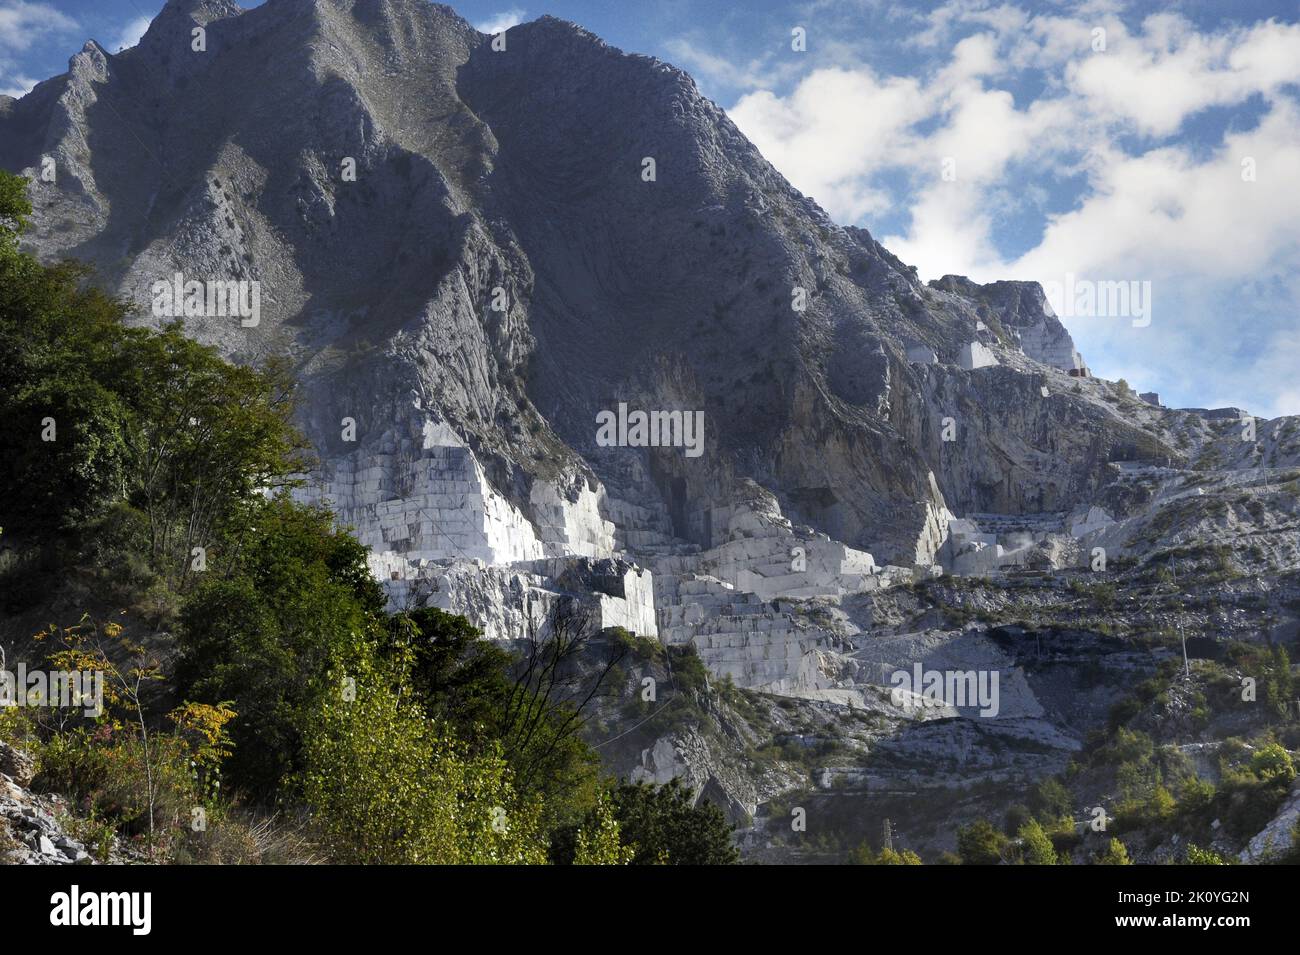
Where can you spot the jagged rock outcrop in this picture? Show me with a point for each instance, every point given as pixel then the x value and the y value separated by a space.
pixel 30 830
pixel 1021 311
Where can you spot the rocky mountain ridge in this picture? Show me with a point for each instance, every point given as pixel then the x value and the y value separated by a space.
pixel 467 258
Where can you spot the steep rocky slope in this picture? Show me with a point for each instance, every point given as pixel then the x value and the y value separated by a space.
pixel 463 253
pixel 521 170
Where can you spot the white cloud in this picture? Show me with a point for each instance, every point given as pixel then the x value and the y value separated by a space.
pixel 1152 201
pixel 1221 254
pixel 501 21
pixel 1169 72
pixel 22 23
pixel 19 86
pixel 130 35
pixel 810 137
pixel 702 64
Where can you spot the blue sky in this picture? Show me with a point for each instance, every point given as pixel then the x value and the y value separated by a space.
pixel 1089 141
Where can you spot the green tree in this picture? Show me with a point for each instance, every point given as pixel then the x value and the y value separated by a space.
pixel 206 439
pixel 981 844
pixel 663 825
pixel 1036 847
pixel 599 842
pixel 1272 762
pixel 894 857
pixel 457 675
pixel 106 414
pixel 1115 854
pixel 1050 800
pixel 863 855
pixel 1198 856
pixel 533 707
pixel 292 597
pixel 666 825
pixel 387 785
pixel 15 208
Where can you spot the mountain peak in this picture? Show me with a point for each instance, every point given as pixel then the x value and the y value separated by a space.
pixel 202 12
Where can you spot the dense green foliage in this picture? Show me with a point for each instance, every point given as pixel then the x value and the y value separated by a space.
pixel 386 784
pixel 101 422
pixel 662 826
pixel 264 626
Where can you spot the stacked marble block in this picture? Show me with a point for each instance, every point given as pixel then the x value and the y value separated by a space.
pixel 973 553
pixel 793 567
pixel 572 527
pixel 724 600
pixel 643 532
pixel 742 636
pixel 507 602
pixel 431 505
pixel 616 592
pixel 437 504
pixel 760 552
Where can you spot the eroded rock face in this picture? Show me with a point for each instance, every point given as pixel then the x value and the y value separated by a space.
pixel 458 239
pixel 1021 309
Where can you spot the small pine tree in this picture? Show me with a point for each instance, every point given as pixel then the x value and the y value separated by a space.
pixel 1037 847
pixel 981 844
pixel 1115 854
pixel 1198 856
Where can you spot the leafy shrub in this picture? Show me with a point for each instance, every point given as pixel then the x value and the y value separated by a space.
pixel 981 844
pixel 387 785
pixel 1272 762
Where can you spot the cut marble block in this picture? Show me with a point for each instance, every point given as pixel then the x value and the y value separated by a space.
pixel 1050 343
pixel 572 527
pixel 441 535
pixel 976 355
pixel 504 601
pixel 435 501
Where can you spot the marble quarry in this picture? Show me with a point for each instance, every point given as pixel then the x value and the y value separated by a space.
pixel 441 535
pixel 984 545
